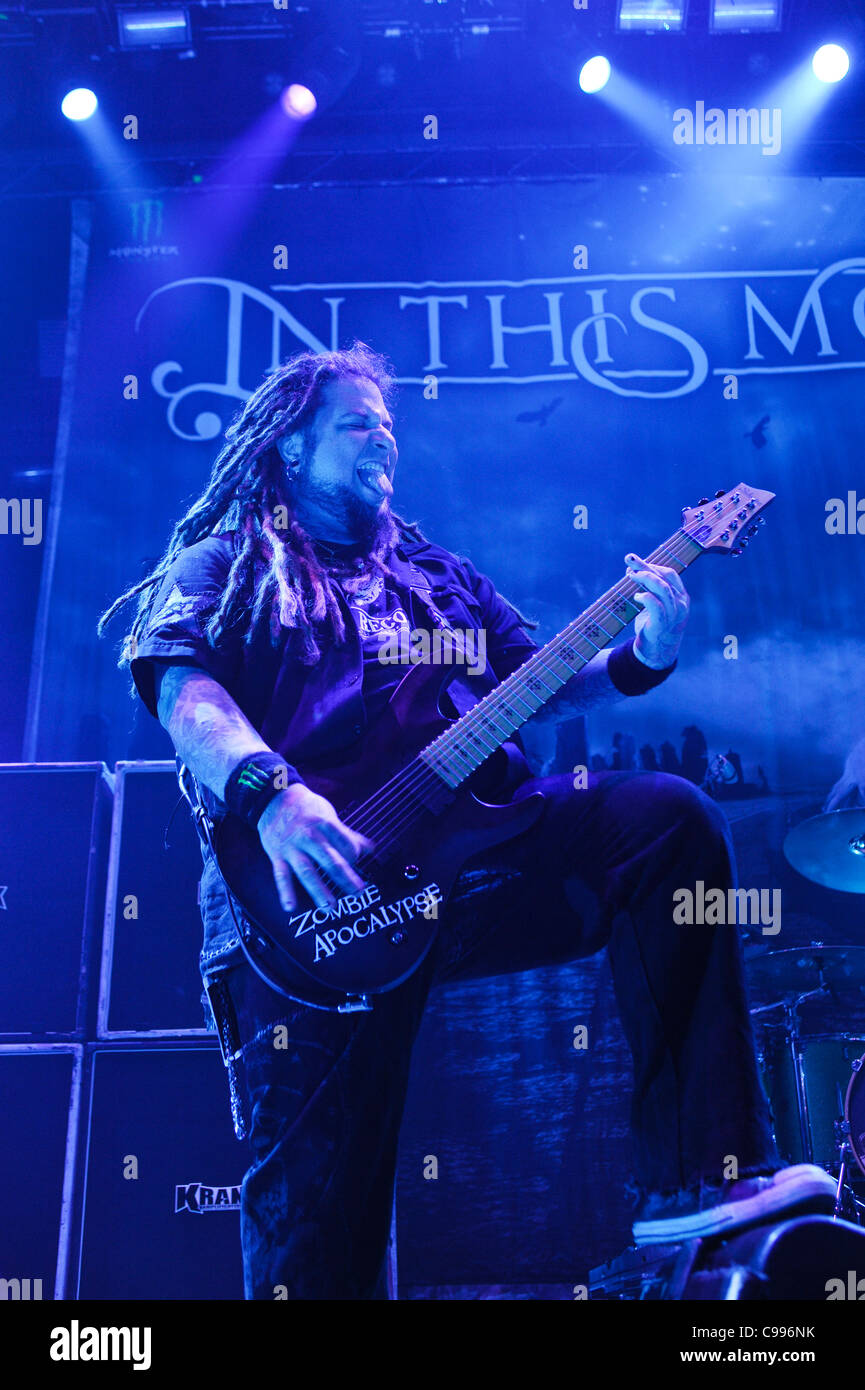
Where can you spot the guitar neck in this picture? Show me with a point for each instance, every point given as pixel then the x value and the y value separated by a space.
pixel 467 743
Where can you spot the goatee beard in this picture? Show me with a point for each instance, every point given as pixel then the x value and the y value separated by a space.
pixel 369 530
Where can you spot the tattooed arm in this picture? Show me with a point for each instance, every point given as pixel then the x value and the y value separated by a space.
pixel 589 689
pixel 299 829
pixel 208 730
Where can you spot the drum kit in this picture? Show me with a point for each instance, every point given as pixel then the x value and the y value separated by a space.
pixel 815 1081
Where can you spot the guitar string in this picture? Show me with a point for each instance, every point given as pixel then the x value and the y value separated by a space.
pixel 406 796
pixel 423 777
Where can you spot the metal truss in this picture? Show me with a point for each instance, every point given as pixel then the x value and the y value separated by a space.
pixel 220 20
pixel 195 168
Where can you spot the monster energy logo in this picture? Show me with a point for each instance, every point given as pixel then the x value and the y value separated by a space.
pixel 252 777
pixel 147 218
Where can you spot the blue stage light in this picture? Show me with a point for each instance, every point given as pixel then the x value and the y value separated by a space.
pixel 650 15
pixel 79 104
pixel 830 62
pixel 595 74
pixel 744 16
pixel 153 28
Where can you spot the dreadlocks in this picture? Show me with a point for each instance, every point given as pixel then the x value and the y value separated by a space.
pixel 275 563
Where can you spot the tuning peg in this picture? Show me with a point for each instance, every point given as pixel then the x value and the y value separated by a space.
pixel 720 492
pixel 703 502
pixel 752 531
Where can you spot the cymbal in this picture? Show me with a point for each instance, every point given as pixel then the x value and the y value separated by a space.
pixel 830 849
pixel 784 974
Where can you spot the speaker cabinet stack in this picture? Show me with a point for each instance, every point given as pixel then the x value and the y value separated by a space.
pixel 120 1170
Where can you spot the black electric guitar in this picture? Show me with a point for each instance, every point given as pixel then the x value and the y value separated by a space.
pixel 412 791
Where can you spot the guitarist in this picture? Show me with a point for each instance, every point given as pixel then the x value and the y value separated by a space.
pixel 257 644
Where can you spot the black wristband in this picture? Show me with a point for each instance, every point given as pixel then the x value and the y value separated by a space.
pixel 255 782
pixel 632 676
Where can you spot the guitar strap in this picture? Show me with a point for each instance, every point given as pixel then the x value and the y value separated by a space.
pixel 409 574
pixel 461 696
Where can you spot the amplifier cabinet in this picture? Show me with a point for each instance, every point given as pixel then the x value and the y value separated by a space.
pixel 162 1174
pixel 40 1088
pixel 149 980
pixel 55 821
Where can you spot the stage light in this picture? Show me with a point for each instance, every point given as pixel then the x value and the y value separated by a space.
pixel 298 101
pixel 153 28
pixel 79 104
pixel 743 16
pixel 830 63
pixel 650 15
pixel 595 74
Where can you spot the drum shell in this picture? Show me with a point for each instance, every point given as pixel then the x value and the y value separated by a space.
pixel 827 1062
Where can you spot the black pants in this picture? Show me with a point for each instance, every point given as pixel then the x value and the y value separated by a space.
pixel 599 868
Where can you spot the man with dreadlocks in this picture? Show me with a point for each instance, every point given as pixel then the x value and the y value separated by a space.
pixel 257 644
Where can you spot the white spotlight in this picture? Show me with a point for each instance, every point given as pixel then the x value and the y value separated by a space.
pixel 830 63
pixel 79 104
pixel 298 101
pixel 595 74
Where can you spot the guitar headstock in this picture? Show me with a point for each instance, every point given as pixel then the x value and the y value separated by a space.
pixel 729 520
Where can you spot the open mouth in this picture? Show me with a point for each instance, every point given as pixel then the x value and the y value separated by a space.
pixel 373 476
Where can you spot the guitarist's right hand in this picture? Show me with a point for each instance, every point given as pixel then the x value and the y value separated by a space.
pixel 301 832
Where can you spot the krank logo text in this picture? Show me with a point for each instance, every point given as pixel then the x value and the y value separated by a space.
pixel 197 1197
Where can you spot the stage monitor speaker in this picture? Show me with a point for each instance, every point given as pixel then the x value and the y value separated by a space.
pixel 39 1093
pixel 53 853
pixel 799 1258
pixel 150 982
pixel 163 1171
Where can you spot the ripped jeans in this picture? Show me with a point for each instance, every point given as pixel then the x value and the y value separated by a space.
pixel 598 868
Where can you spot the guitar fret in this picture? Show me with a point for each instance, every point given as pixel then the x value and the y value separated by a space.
pixel 533 709
pixel 551 688
pixel 477 736
pixel 554 656
pixel 536 680
pixel 490 716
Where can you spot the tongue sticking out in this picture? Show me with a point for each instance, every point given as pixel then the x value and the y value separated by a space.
pixel 377 479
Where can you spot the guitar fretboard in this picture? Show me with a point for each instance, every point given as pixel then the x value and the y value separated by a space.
pixel 461 748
